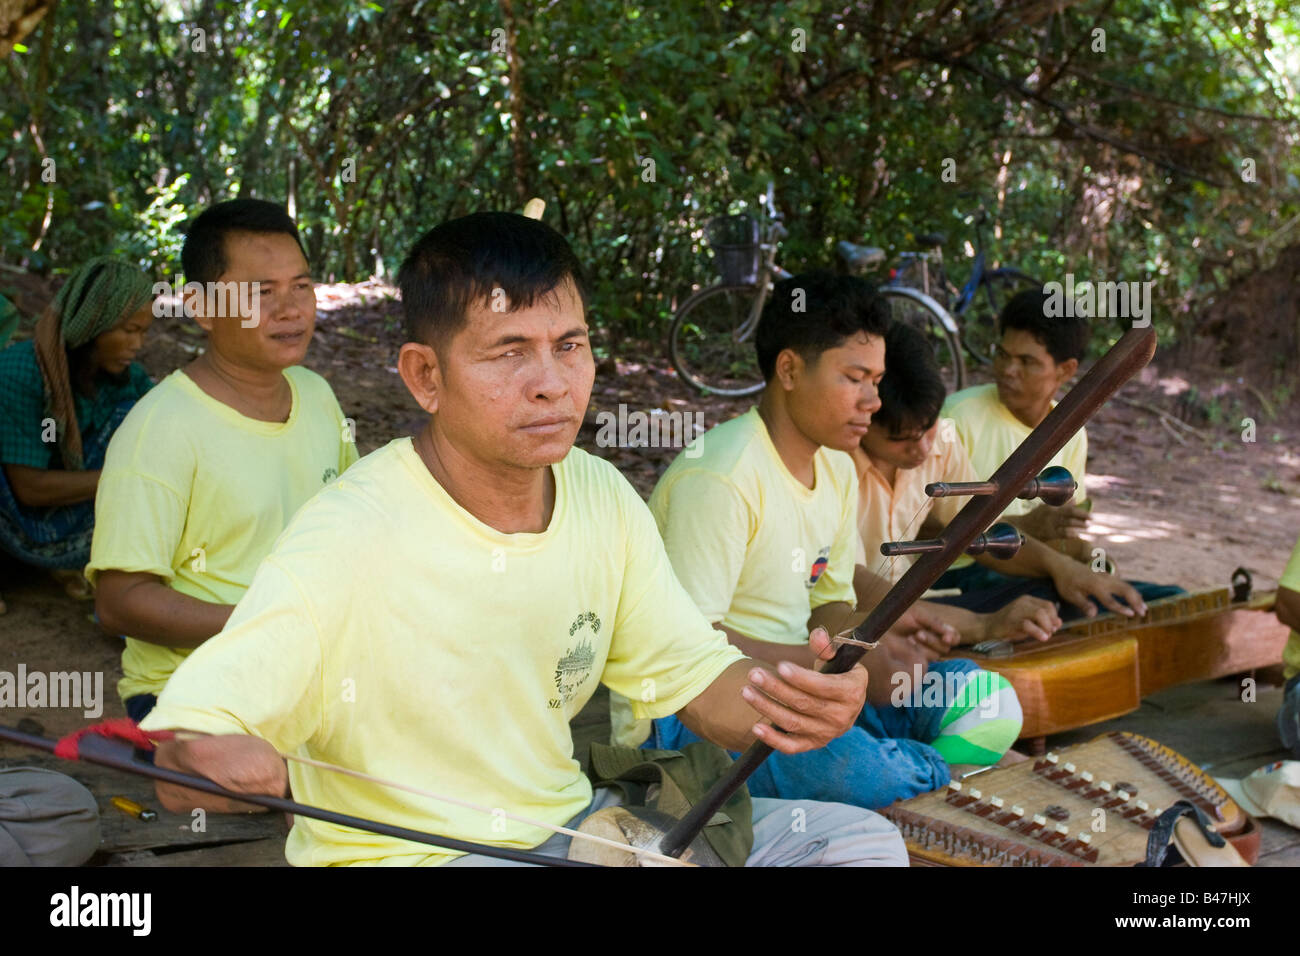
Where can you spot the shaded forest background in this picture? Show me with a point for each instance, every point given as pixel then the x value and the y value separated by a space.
pixel 1114 139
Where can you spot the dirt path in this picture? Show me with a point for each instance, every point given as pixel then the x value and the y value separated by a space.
pixel 1169 505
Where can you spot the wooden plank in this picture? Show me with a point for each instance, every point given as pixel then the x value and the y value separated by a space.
pixel 267 852
pixel 121 833
pixel 1276 837
pixel 1287 857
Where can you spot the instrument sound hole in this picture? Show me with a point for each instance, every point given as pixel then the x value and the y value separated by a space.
pixel 1058 813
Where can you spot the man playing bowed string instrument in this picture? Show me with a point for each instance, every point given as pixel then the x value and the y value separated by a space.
pixel 439 614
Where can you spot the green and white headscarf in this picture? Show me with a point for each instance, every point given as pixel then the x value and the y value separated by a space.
pixel 95 298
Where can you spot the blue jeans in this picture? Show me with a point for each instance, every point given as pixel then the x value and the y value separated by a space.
pixel 137 708
pixel 984 591
pixel 1288 717
pixel 886 756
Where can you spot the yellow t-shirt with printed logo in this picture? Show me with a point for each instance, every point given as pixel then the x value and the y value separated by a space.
pixel 755 548
pixel 197 493
pixel 1291 579
pixel 393 633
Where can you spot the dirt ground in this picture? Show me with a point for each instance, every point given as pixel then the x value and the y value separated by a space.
pixel 1173 501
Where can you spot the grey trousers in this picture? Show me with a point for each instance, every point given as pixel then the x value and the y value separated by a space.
pixel 786 833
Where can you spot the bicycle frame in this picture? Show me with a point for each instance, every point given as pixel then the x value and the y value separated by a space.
pixel 966 294
pixel 945 317
pixel 774 232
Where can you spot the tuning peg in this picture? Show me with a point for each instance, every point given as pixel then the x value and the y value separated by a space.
pixel 1001 541
pixel 1055 485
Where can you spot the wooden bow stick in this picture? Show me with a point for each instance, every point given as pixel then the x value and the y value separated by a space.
pixel 118 755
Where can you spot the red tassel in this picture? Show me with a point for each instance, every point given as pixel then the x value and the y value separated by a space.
pixel 121 728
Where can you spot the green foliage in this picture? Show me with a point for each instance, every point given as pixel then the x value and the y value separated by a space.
pixel 381 119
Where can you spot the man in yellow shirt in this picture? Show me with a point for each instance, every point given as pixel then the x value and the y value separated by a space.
pixel 1038 353
pixel 907 448
pixel 760 522
pixel 438 615
pixel 1288 612
pixel 207 469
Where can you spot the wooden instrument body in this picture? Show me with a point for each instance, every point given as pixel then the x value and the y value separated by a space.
pixel 1095 670
pixel 1044 812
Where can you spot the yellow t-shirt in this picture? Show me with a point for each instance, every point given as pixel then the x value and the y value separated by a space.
pixel 990 433
pixel 197 493
pixel 754 547
pixel 1291 652
pixel 897 512
pixel 393 633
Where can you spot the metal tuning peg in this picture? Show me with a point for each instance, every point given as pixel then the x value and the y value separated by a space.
pixel 1055 485
pixel 1000 541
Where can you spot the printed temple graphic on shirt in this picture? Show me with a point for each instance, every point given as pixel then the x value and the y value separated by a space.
pixel 573 669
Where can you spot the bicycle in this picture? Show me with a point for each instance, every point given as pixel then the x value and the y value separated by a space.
pixel 710 339
pixel 976 314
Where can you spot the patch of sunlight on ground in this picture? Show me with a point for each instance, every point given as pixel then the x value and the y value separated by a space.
pixel 1119 529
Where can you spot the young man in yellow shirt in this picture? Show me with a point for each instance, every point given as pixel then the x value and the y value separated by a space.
pixel 907 448
pixel 1288 612
pixel 438 615
pixel 208 468
pixel 1038 353
pixel 760 522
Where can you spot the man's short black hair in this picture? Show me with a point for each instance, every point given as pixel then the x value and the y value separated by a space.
pixel 204 254
pixel 912 391
pixel 814 312
pixel 1064 336
pixel 464 261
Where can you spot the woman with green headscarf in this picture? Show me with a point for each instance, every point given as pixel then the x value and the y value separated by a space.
pixel 62 395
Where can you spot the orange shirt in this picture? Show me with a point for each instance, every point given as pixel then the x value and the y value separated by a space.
pixel 896 513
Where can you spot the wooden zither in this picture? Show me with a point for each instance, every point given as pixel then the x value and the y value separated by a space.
pixel 1044 812
pixel 1099 669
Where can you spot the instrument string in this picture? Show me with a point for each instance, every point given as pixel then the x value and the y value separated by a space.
pixel 470 805
pixel 884 570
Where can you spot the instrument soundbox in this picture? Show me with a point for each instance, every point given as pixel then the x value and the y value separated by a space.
pixel 1090 805
pixel 1099 669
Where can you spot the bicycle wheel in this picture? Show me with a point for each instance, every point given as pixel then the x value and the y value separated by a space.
pixel 979 322
pixel 928 317
pixel 711 342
